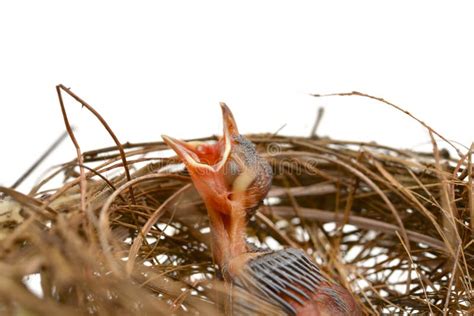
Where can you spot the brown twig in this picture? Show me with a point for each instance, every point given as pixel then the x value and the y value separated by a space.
pixel 104 123
pixel 83 182
pixel 360 94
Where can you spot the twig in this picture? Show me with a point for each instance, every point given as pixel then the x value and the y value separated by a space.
pixel 412 264
pixel 107 127
pixel 360 94
pixel 470 188
pixel 80 160
pixel 50 149
pixel 359 221
pixel 450 285
pixel 279 130
pixel 149 223
pixel 319 117
pixel 279 235
pixel 29 201
pixel 364 178
pixel 104 227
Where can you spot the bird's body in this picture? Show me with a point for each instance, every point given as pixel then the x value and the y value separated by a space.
pixel 233 180
pixel 289 279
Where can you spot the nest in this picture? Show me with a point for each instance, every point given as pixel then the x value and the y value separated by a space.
pixel 127 234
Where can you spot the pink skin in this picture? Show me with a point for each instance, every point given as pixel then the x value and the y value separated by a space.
pixel 226 210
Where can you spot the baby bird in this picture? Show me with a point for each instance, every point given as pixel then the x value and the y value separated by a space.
pixel 233 180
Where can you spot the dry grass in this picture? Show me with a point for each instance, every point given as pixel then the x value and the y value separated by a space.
pixel 394 226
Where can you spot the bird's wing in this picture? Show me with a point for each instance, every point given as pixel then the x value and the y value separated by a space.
pixel 290 279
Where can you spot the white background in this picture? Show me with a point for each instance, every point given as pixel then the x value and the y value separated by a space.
pixel 153 67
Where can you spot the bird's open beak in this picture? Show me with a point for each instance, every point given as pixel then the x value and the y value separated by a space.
pixel 221 175
pixel 202 158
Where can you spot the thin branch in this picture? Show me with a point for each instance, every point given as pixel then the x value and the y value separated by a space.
pixel 80 160
pixel 319 117
pixel 106 126
pixel 35 165
pixel 359 221
pixel 453 276
pixel 360 94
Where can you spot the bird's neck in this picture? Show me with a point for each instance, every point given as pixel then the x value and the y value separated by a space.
pixel 227 231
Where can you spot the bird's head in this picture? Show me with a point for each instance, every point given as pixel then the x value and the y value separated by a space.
pixel 228 174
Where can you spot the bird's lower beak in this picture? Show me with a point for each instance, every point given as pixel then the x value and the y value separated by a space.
pixel 187 152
